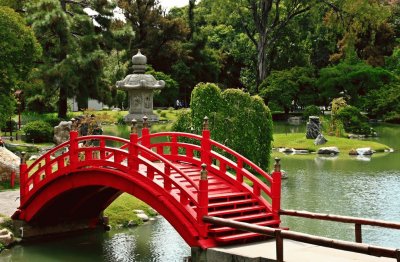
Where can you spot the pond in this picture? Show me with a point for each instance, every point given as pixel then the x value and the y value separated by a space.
pixel 342 186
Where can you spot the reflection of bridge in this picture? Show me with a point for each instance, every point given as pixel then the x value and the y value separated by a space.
pixel 183 176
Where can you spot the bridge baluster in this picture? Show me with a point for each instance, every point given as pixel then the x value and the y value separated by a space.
pixel 183 198
pixel 202 209
pixel 167 179
pixel 102 151
pixel 60 162
pixel 276 189
pixel 205 143
pixel 174 147
pixel 23 177
pixel 239 172
pixel 133 162
pixel 150 173
pixel 73 149
pixel 48 168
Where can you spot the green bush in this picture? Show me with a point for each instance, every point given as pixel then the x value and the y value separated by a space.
pixel 163 114
pixel 38 131
pixel 353 121
pixel 10 124
pixel 311 111
pixel 236 119
pixel 120 120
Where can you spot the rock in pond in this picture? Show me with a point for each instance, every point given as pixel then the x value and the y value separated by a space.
pixel 332 150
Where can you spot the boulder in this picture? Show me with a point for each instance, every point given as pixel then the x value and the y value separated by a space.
pixel 61 132
pixel 365 151
pixel 320 140
pixel 140 214
pixel 332 150
pixel 313 127
pixel 9 162
pixel 6 237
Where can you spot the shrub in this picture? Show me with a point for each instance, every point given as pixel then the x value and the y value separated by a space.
pixel 236 119
pixel 38 131
pixel 163 114
pixel 353 121
pixel 311 111
pixel 121 120
pixel 10 124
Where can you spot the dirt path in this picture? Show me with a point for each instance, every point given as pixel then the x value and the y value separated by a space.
pixel 9 202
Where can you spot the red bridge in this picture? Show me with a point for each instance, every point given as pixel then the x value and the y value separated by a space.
pixel 181 175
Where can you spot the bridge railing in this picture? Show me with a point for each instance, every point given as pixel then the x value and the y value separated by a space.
pixel 71 156
pixel 203 149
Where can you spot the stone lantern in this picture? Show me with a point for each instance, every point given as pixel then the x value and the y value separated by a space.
pixel 140 87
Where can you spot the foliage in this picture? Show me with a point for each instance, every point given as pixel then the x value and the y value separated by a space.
pixel 353 121
pixel 168 95
pixel 364 30
pixel 311 111
pixel 238 120
pixel 120 211
pixel 385 102
pixel 336 126
pixel 184 121
pixel 73 61
pixel 38 131
pixel 290 88
pixel 352 80
pixel 18 51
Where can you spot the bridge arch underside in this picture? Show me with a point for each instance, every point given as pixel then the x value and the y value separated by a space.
pixel 85 194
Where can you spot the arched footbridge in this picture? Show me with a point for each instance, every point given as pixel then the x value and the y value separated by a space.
pixel 183 176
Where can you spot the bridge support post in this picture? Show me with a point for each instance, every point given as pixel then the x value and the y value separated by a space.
pixel 133 163
pixel 73 148
pixel 205 143
pixel 23 176
pixel 203 201
pixel 276 189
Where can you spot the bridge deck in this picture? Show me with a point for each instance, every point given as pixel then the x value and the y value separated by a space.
pixel 226 201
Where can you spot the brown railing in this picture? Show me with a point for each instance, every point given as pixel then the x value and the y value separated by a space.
pixel 280 234
pixel 358 222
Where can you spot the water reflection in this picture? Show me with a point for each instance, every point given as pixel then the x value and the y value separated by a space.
pixel 345 186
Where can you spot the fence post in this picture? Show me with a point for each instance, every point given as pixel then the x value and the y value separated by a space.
pixel 145 133
pixel 23 176
pixel 358 233
pixel 203 201
pixel 276 189
pixel 133 160
pixel 279 245
pixel 73 148
pixel 205 143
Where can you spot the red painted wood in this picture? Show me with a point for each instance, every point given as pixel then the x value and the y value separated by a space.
pixel 168 180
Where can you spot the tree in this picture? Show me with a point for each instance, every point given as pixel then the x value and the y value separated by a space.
pixel 352 80
pixel 290 88
pixel 158 35
pixel 72 61
pixel 263 21
pixel 364 30
pixel 19 50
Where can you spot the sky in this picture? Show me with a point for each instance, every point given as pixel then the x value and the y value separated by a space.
pixel 171 3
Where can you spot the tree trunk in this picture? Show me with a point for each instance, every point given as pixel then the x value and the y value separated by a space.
pixel 261 59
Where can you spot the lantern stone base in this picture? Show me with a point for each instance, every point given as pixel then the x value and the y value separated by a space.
pixel 139 117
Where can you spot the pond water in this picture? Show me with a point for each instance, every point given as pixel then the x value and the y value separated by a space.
pixel 367 188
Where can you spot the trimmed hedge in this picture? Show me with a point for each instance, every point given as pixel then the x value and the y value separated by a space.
pixel 38 131
pixel 238 120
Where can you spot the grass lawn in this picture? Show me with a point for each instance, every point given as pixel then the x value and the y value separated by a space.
pixel 120 212
pixel 299 141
